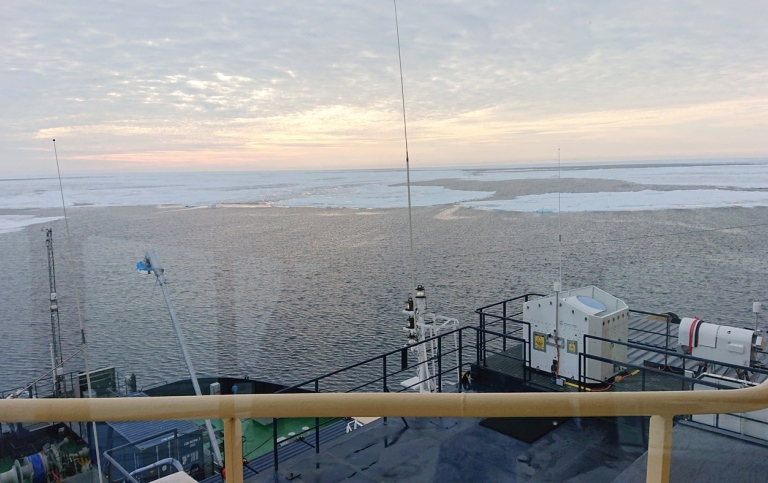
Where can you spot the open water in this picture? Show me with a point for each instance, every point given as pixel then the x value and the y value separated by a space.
pixel 285 294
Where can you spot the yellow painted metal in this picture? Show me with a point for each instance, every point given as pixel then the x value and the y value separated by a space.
pixel 387 404
pixel 659 449
pixel 233 450
pixel 230 407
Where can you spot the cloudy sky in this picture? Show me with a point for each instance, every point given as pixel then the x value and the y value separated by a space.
pixel 244 85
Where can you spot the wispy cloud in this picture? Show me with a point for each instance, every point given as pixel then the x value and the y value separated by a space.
pixel 316 84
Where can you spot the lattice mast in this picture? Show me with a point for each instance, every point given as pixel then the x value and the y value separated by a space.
pixel 56 353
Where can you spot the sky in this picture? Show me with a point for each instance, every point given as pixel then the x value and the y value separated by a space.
pixel 199 86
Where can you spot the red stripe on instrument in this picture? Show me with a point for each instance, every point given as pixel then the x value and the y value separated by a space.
pixel 690 334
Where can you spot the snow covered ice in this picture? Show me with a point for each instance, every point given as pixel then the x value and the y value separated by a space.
pixel 708 186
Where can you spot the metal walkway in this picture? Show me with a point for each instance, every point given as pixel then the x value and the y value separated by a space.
pixel 644 329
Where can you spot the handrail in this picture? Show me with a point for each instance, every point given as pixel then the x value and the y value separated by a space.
pixel 588 404
pixel 524 296
pixel 662 406
pixel 378 358
pixel 658 350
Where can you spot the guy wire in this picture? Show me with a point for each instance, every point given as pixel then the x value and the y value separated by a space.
pixel 83 343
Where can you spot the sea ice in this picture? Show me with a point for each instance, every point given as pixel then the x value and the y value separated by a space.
pixel 723 185
pixel 626 201
pixel 9 223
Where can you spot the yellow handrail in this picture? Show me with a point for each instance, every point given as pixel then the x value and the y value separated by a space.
pixel 661 405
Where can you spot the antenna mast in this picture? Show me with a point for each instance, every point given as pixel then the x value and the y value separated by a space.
pixel 407 160
pixel 56 352
pixel 559 225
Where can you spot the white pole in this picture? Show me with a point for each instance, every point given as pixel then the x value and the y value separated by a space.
pixel 154 263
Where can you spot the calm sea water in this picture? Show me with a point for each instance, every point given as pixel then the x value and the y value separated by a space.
pixel 285 294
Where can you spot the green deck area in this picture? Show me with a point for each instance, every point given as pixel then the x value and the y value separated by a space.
pixel 6 463
pixel 258 434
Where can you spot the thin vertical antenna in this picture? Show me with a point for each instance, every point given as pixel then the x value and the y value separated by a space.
pixel 559 225
pixel 407 161
pixel 83 343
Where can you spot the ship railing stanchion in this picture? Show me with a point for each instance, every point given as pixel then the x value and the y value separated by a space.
pixel 659 448
pixel 440 364
pixel 478 343
pixel 504 326
pixel 461 350
pixel 581 384
pixel 317 421
pixel 274 439
pixel 384 373
pixel 485 361
pixel 233 449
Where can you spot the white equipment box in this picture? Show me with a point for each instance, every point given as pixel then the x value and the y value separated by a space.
pixel 720 343
pixel 566 317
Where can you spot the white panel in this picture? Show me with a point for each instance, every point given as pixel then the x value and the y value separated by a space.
pixel 737 348
pixel 707 335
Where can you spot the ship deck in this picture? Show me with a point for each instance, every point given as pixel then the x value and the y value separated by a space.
pixel 460 450
pixel 578 450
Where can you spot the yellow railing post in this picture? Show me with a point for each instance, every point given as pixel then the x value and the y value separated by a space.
pixel 233 450
pixel 659 449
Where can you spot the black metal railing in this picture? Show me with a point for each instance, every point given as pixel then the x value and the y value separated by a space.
pixel 680 372
pixel 455 352
pixel 501 319
pixel 669 342
pixel 504 317
pixel 70 384
pixel 501 336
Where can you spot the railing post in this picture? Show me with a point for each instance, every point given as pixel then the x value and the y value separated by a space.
pixel 317 422
pixel 440 364
pixel 480 337
pixel 581 384
pixel 504 326
pixel 485 361
pixel 584 353
pixel 682 381
pixel 526 372
pixel 477 346
pixel 384 373
pixel 274 440
pixel 461 362
pixel 233 450
pixel 659 448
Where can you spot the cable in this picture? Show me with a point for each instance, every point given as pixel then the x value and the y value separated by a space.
pixel 15 394
pixel 559 229
pixel 83 343
pixel 407 160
